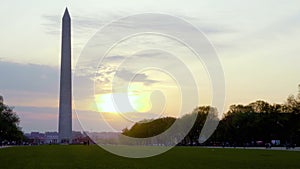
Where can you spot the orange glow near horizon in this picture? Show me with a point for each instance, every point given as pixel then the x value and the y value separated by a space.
pixel 139 103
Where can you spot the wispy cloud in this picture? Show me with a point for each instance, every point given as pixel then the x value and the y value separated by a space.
pixel 85 23
pixel 29 77
pixel 127 75
pixel 81 24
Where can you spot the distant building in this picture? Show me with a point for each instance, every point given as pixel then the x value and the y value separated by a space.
pixel 37 138
pixel 42 138
pixel 51 138
pixel 76 134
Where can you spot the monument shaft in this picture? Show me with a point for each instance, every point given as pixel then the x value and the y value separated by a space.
pixel 65 98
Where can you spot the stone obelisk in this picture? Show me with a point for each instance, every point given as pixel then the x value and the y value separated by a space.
pixel 65 98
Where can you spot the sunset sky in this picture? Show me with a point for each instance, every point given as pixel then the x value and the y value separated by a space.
pixel 257 43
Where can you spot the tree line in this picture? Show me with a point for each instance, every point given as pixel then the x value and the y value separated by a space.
pixel 254 124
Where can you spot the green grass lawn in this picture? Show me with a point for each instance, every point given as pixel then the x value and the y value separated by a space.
pixel 93 157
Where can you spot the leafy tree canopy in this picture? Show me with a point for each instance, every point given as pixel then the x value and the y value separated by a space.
pixel 9 124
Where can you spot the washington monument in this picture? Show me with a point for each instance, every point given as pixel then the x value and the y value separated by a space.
pixel 65 98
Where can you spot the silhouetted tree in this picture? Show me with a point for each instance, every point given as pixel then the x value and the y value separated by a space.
pixel 149 128
pixel 9 129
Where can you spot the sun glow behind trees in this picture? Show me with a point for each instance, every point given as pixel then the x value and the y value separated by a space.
pixel 163 98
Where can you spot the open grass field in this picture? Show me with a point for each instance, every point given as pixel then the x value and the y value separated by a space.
pixel 93 157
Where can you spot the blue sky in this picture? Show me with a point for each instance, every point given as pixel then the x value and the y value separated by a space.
pixel 257 43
